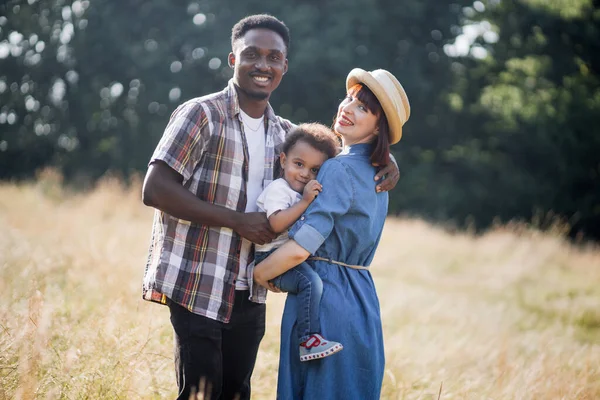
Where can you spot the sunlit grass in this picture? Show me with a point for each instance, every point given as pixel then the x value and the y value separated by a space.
pixel 512 314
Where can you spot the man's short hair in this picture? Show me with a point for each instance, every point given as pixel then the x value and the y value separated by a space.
pixel 260 21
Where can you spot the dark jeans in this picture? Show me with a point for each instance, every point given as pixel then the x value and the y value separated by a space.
pixel 215 358
pixel 303 281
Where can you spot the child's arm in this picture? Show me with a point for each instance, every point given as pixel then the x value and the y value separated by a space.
pixel 283 219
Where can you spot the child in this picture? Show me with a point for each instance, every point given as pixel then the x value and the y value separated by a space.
pixel 306 148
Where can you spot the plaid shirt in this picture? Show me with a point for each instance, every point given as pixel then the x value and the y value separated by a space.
pixel 192 264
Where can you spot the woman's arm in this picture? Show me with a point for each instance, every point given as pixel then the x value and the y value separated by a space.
pixel 284 258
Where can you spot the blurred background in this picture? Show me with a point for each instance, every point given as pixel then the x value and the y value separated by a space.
pixel 503 140
pixel 505 94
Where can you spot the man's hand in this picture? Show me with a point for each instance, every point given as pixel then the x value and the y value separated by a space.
pixel 311 191
pixel 255 227
pixel 390 174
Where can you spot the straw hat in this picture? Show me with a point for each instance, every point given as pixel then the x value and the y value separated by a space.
pixel 389 92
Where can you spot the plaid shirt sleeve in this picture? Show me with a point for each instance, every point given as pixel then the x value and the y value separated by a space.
pixel 184 139
pixel 287 125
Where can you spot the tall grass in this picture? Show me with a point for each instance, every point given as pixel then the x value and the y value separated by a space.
pixel 512 314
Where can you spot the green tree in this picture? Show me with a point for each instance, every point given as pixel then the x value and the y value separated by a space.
pixel 102 83
pixel 89 85
pixel 507 130
pixel 529 135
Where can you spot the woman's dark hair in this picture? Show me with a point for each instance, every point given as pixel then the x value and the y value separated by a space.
pixel 381 148
pixel 260 21
pixel 316 135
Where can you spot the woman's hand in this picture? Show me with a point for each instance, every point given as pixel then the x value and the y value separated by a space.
pixel 266 284
pixel 273 288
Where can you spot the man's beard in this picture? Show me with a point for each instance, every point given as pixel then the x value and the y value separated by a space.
pixel 253 95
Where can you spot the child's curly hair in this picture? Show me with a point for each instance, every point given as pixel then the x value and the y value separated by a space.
pixel 316 135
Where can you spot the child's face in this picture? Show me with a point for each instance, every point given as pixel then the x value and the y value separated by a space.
pixel 301 165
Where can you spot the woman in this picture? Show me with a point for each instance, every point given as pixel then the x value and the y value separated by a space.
pixel 341 230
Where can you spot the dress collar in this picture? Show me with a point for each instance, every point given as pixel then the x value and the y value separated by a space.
pixel 361 149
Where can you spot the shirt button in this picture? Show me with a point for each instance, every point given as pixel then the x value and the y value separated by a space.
pixel 302 218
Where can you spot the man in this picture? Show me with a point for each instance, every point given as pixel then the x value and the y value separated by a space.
pixel 216 155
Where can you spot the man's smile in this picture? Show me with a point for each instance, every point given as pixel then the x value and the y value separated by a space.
pixel 260 78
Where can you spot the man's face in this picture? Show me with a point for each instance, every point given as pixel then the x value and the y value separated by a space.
pixel 259 59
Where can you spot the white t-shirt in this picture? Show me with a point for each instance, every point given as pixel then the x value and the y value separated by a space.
pixel 277 196
pixel 254 130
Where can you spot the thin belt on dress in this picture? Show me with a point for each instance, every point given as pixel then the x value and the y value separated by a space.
pixel 329 260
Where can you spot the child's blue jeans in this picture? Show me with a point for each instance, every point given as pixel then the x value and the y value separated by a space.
pixel 303 281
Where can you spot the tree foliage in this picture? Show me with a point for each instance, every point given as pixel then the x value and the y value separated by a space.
pixel 505 95
pixel 527 141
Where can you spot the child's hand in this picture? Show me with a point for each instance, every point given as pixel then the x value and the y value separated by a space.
pixel 311 191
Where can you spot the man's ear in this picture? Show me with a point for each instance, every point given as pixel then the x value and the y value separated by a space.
pixel 285 67
pixel 231 60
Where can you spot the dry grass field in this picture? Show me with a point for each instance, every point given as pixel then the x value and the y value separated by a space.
pixel 511 314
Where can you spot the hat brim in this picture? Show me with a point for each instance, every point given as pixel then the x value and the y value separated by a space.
pixel 358 75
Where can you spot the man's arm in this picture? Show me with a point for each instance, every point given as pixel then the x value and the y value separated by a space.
pixel 163 190
pixel 390 174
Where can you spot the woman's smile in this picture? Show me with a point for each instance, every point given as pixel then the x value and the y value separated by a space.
pixel 344 121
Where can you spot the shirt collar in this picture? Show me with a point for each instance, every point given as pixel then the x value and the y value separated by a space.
pixel 234 104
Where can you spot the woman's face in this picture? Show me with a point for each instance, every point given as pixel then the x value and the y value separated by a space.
pixel 354 122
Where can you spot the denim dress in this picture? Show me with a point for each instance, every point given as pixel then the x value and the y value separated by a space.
pixel 344 224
